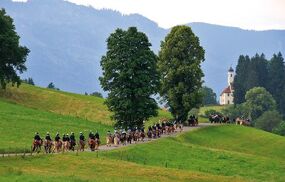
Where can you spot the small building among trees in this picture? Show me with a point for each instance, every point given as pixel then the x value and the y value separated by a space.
pixel 227 96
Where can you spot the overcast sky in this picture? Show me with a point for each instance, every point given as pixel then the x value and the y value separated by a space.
pixel 246 14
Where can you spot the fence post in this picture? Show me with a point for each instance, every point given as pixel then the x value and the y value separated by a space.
pixel 166 164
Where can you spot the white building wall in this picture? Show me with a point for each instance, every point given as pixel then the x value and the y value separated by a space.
pixel 226 99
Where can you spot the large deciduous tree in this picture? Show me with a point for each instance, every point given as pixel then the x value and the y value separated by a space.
pixel 12 55
pixel 130 76
pixel 180 71
pixel 258 101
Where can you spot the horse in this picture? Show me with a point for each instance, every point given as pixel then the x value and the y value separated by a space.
pixel 72 145
pixel 142 136
pixel 123 139
pixel 66 145
pixel 57 146
pixel 240 121
pixel 48 146
pixel 149 134
pixel 136 136
pixel 97 143
pixel 82 145
pixel 116 140
pixel 130 136
pixel 91 143
pixel 109 141
pixel 36 146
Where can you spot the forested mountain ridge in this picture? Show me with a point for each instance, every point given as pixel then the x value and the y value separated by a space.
pixel 67 42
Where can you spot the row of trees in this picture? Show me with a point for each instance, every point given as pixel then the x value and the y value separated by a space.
pixel 133 74
pixel 260 72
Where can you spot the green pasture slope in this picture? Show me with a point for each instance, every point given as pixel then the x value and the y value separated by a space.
pixel 86 107
pixel 28 109
pixel 247 153
pixel 87 167
pixel 18 125
pixel 207 154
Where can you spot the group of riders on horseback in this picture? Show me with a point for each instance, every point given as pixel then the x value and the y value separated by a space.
pixel 65 143
pixel 135 135
pixel 218 118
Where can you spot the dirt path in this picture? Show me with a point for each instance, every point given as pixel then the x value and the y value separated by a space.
pixel 105 148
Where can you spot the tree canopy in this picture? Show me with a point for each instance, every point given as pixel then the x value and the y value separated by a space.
pixel 180 71
pixel 209 96
pixel 12 55
pixel 268 121
pixel 259 72
pixel 259 100
pixel 130 76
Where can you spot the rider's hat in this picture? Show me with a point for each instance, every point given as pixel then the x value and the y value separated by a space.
pixel 67 134
pixel 80 132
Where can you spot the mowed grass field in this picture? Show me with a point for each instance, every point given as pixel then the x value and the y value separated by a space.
pixel 18 125
pixel 85 107
pixel 247 153
pixel 87 167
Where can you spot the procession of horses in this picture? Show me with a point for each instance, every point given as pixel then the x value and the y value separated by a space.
pixel 121 136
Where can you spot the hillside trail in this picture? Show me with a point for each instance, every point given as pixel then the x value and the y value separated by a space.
pixel 107 148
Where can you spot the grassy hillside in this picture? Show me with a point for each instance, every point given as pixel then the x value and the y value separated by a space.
pixel 85 107
pixel 254 158
pixel 18 125
pixel 87 167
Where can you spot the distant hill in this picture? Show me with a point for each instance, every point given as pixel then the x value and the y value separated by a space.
pixel 67 42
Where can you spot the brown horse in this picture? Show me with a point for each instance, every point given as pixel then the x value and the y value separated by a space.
pixel 92 144
pixel 57 146
pixel 48 146
pixel 82 145
pixel 66 145
pixel 36 146
pixel 142 136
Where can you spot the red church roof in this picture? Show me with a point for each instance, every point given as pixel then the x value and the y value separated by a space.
pixel 227 90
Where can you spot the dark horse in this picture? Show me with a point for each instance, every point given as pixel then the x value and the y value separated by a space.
pixel 37 144
pixel 193 121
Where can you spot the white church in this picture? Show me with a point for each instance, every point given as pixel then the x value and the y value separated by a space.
pixel 227 96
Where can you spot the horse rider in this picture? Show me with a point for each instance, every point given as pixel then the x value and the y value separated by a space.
pixel 37 137
pixel 81 137
pixel 67 138
pixel 57 137
pixel 72 140
pixel 48 138
pixel 97 136
pixel 91 135
pixel 64 139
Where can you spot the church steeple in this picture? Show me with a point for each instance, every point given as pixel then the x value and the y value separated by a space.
pixel 230 76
